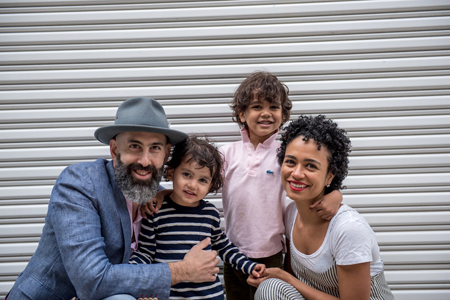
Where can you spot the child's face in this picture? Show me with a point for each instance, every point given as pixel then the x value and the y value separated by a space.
pixel 263 119
pixel 191 183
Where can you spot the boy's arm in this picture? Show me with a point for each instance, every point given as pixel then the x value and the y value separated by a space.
pixel 227 251
pixel 145 253
pixel 328 206
pixel 155 204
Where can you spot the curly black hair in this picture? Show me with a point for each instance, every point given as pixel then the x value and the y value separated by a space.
pixel 204 154
pixel 264 86
pixel 324 132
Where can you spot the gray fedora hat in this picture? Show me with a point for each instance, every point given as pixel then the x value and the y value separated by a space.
pixel 137 115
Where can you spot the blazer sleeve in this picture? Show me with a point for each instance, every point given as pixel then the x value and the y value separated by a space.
pixel 75 209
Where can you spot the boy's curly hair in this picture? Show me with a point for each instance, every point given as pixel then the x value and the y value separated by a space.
pixel 264 86
pixel 204 154
pixel 324 132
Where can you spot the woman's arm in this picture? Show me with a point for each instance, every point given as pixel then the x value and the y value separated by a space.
pixel 307 291
pixel 354 281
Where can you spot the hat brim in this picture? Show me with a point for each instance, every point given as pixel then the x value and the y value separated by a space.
pixel 106 133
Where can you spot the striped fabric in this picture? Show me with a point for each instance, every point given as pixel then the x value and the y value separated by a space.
pixel 327 282
pixel 170 234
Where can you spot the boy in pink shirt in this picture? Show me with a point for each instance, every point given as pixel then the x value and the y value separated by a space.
pixel 252 195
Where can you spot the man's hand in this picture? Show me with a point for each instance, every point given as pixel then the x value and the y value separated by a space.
pixel 197 266
pixel 155 204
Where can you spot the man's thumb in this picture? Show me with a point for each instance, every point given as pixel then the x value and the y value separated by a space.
pixel 203 244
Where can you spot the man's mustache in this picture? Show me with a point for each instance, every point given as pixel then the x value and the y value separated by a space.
pixel 139 167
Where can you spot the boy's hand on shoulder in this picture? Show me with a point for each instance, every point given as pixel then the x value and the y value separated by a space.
pixel 328 206
pixel 155 204
pixel 258 270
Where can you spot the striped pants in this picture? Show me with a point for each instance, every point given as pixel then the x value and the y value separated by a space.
pixel 277 289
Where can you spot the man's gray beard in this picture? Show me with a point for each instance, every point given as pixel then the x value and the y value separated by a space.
pixel 137 191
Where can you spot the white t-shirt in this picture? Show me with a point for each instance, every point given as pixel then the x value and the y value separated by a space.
pixel 349 239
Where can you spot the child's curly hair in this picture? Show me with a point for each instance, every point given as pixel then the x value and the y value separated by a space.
pixel 324 132
pixel 204 154
pixel 264 86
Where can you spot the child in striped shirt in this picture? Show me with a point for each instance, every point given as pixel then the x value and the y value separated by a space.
pixel 185 219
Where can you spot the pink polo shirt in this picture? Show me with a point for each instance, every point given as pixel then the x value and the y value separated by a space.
pixel 135 225
pixel 253 198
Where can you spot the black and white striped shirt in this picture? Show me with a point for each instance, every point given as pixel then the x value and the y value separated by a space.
pixel 170 234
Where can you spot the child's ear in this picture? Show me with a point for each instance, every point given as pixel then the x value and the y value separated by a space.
pixel 169 174
pixel 242 117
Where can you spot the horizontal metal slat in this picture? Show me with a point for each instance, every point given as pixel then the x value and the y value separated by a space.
pixel 17 249
pixel 19 230
pixel 13 268
pixel 413 238
pixel 412 276
pixel 212 13
pixel 55 154
pixel 224 90
pixel 226 51
pixel 23 211
pixel 397 199
pixel 399 142
pixel 409 218
pixel 415 294
pixel 222 32
pixel 220 109
pixel 21 192
pixel 416 257
pixel 399 161
pixel 356 163
pixel 210 71
pixel 374 219
pixel 383 238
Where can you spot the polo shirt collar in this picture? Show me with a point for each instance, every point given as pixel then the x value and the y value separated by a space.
pixel 267 143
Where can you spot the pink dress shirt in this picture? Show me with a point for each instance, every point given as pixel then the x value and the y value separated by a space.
pixel 135 225
pixel 253 198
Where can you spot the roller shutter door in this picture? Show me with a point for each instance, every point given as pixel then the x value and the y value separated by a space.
pixel 381 69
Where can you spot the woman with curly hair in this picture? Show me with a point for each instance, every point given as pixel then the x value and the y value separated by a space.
pixel 326 259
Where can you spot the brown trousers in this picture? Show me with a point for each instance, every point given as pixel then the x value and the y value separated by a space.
pixel 236 287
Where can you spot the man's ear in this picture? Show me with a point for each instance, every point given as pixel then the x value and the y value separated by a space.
pixel 168 147
pixel 113 150
pixel 169 174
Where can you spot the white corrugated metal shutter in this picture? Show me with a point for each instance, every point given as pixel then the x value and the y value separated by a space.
pixel 381 69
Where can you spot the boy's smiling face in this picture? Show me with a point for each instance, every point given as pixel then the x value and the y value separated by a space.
pixel 263 119
pixel 191 183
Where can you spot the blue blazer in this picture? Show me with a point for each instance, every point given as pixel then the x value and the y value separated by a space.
pixel 85 244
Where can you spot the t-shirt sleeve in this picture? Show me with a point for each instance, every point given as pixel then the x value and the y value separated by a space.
pixel 352 243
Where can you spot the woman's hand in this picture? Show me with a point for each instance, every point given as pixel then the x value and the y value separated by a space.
pixel 155 204
pixel 328 206
pixel 268 273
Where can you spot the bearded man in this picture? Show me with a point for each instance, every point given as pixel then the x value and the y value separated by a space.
pixel 93 219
